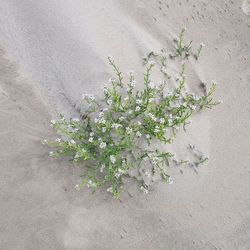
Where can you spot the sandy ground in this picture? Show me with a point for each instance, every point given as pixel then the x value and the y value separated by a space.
pixel 52 52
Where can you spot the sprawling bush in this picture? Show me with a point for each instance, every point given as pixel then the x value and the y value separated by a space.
pixel 116 135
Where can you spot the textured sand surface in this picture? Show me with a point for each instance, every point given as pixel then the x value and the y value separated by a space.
pixel 52 52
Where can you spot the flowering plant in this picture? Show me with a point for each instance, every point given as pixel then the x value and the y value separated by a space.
pixel 115 136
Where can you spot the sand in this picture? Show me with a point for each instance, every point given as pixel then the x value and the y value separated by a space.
pixel 52 52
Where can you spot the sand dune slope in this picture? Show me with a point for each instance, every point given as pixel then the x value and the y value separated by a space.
pixel 52 52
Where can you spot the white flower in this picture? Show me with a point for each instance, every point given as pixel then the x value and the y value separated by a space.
pixel 196 98
pixel 177 95
pixel 112 159
pixel 147 174
pixel 77 187
pixel 162 83
pixel 117 175
pixel 104 129
pixel 119 172
pixel 110 58
pixel 202 45
pixel 72 141
pixel 96 120
pixel 151 63
pixel 58 139
pixel 137 108
pixel 110 190
pixel 138 101
pixel 149 155
pixel 150 100
pixel 155 160
pixel 101 114
pixel 176 127
pixel 154 118
pixel 170 180
pixel 126 98
pixel 157 130
pixel 116 125
pixel 129 130
pixel 148 136
pixel 151 85
pixel 102 168
pixel 162 121
pixel 138 133
pixel 91 97
pixel 220 101
pixel 102 121
pixel 91 184
pixel 122 118
pixel 75 120
pixel 111 80
pixel 139 123
pixel 45 141
pixel 133 84
pixel 193 107
pixel 53 122
pixel 103 145
pixel 176 105
pixel 51 153
pixel 77 156
pixel 91 134
pixel 91 139
pixel 130 112
pixel 109 102
pixel 145 190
